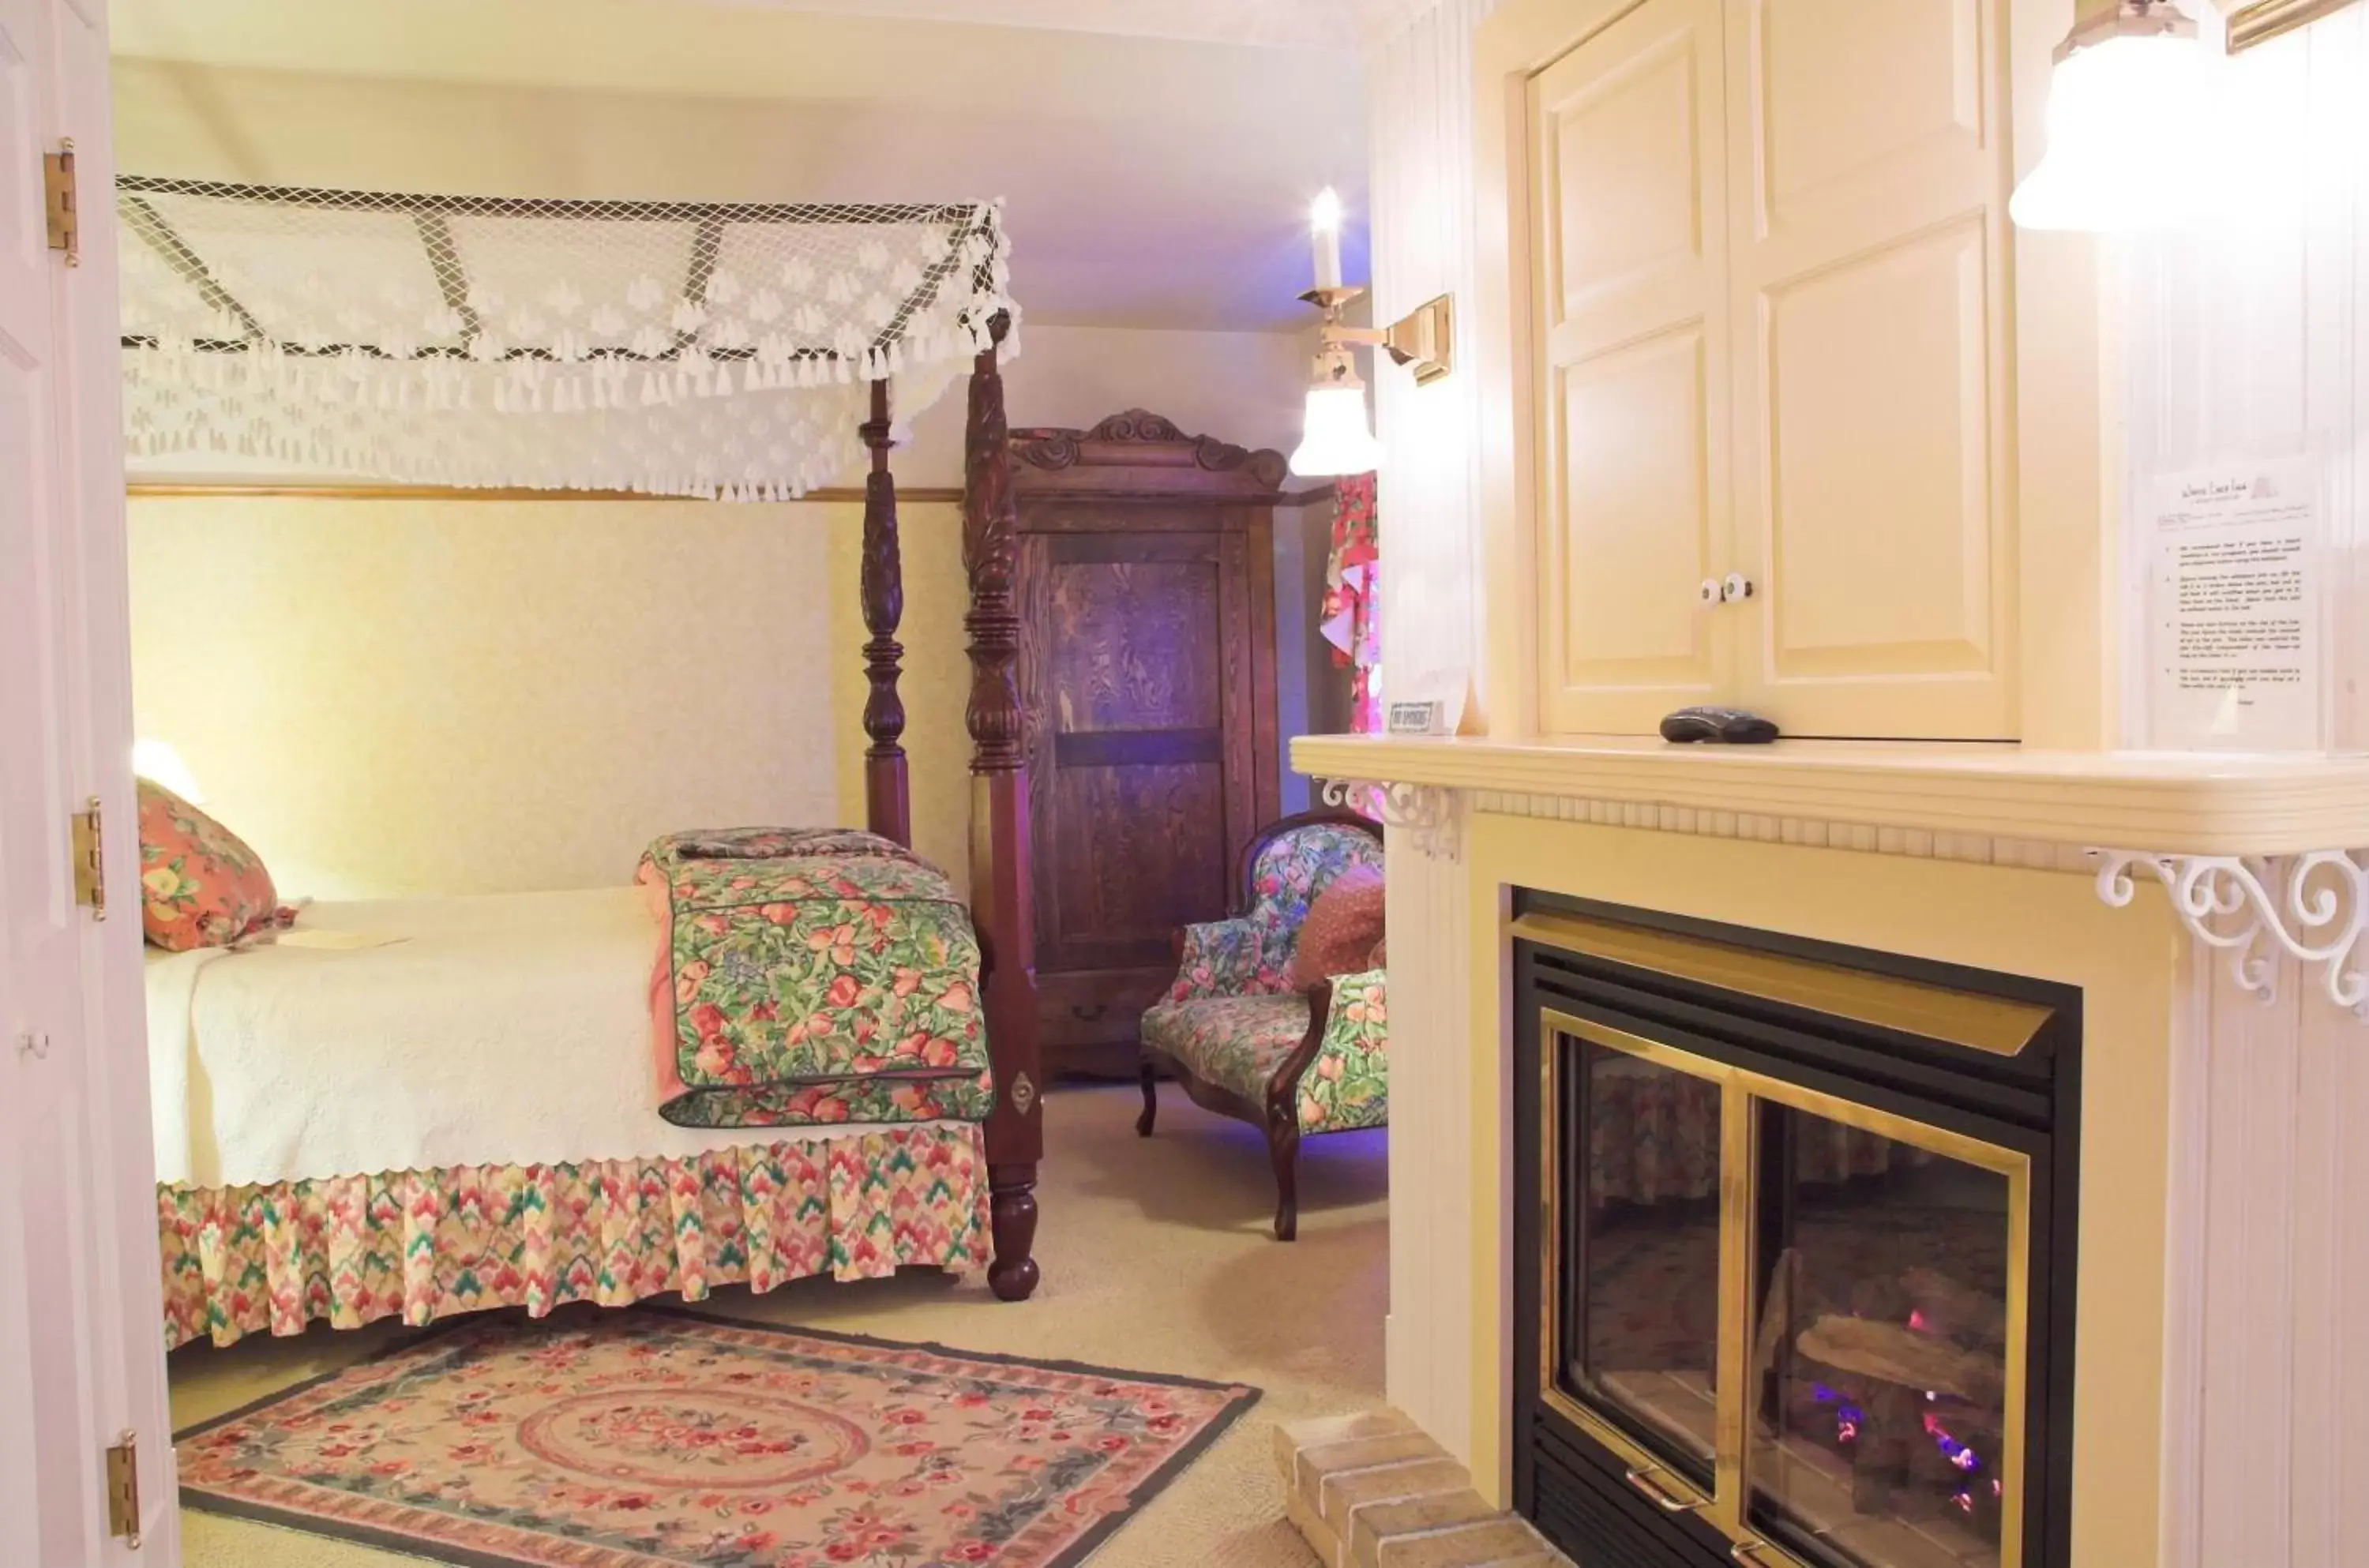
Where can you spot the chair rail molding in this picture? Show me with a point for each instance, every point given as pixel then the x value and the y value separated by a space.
pixel 2315 906
pixel 1430 815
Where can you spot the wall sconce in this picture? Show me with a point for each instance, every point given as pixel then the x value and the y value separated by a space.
pixel 2134 131
pixel 1336 440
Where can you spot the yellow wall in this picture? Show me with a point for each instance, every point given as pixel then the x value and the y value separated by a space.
pixel 2045 924
pixel 394 697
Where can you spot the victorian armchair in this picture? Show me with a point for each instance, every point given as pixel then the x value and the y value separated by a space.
pixel 1240 1041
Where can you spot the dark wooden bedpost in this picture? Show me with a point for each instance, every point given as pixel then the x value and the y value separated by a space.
pixel 1000 881
pixel 887 797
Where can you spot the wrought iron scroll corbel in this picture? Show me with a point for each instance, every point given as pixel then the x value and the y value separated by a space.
pixel 2314 907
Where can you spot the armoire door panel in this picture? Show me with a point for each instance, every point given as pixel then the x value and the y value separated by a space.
pixel 1133 643
pixel 1845 91
pixel 1629 200
pixel 1140 738
pixel 1148 865
pixel 1879 520
pixel 1637 519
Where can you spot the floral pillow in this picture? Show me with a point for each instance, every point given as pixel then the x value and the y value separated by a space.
pixel 200 885
pixel 1343 924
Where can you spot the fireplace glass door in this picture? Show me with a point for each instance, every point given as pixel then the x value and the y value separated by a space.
pixel 1791 1317
pixel 1643 1339
pixel 1880 1378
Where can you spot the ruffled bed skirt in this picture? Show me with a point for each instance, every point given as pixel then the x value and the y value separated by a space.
pixel 427 1244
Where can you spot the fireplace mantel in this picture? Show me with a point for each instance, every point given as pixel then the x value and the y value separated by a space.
pixel 2160 804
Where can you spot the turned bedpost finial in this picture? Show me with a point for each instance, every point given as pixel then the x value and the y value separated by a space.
pixel 888 795
pixel 990 541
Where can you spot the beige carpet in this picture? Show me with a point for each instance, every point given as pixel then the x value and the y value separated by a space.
pixel 1157 1257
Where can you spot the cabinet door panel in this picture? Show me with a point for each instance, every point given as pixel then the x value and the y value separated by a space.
pixel 1628 144
pixel 1622 192
pixel 1878 513
pixel 1638 516
pixel 1849 95
pixel 1874 506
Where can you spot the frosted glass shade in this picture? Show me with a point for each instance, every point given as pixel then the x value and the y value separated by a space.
pixel 1335 439
pixel 2132 137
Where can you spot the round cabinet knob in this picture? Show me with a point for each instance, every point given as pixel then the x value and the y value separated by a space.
pixel 1736 587
pixel 1711 590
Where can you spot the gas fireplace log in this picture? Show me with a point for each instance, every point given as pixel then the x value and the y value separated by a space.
pixel 1952 1310
pixel 1769 1344
pixel 1892 1354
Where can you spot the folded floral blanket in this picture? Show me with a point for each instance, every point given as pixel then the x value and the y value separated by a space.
pixel 810 976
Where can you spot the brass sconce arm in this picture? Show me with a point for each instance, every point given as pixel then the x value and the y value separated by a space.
pixel 1422 340
pixel 2258 22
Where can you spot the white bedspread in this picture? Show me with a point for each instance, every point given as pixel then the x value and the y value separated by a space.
pixel 499 1029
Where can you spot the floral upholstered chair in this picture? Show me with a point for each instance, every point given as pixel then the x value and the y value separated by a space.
pixel 1242 1040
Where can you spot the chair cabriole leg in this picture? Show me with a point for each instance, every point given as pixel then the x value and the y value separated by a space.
pixel 1282 1149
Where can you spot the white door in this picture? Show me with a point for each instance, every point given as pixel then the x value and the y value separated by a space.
pixel 81 1356
pixel 1630 295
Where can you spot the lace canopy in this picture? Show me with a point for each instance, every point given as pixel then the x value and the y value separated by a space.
pixel 670 348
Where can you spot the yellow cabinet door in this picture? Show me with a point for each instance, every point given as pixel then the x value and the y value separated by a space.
pixel 1630 302
pixel 1868 169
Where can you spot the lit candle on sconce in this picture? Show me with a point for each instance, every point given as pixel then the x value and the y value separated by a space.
pixel 1324 232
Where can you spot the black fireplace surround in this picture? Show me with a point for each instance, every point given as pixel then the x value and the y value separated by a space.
pixel 1793 1248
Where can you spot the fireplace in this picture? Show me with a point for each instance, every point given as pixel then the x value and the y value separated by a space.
pixel 1793 1243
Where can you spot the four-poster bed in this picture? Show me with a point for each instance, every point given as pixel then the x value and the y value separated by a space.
pixel 1000 874
pixel 229 348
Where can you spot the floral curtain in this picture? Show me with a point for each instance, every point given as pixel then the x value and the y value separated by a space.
pixel 1353 606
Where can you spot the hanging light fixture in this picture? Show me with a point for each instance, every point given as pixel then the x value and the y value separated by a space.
pixel 2131 132
pixel 1335 438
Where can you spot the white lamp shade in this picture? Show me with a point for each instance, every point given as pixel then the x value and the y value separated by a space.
pixel 1335 439
pixel 2132 139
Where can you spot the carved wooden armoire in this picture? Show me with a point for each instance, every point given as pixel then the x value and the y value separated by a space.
pixel 1148 686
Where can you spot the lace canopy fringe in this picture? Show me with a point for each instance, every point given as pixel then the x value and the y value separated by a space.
pixel 669 348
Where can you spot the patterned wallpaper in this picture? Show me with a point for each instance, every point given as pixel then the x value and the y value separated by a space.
pixel 395 697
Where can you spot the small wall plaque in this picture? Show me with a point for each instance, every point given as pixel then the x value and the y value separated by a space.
pixel 1419 718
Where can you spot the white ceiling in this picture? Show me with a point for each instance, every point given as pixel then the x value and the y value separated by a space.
pixel 1156 155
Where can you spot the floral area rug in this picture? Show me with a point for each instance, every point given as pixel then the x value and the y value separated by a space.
pixel 650 1437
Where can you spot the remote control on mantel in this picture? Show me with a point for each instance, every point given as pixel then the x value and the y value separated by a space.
pixel 1718 726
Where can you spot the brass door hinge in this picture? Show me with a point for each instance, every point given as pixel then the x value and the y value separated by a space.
pixel 89 836
pixel 123 1488
pixel 58 201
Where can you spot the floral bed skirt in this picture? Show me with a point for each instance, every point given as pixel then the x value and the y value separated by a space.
pixel 427 1244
